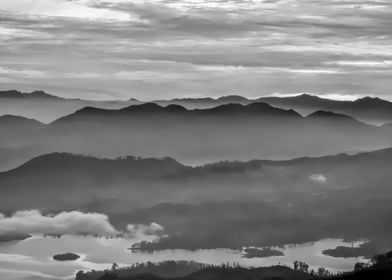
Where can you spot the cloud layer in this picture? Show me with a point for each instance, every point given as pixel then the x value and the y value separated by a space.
pixel 75 222
pixel 165 48
pixel 141 231
pixel 72 223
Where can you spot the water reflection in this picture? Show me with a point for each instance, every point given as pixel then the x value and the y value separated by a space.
pixel 34 256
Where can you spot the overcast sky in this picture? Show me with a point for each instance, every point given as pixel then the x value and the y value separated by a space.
pixel 148 49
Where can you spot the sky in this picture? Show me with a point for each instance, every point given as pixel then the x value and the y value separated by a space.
pixel 161 49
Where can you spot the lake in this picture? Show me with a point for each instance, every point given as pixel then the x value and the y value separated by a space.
pixel 32 258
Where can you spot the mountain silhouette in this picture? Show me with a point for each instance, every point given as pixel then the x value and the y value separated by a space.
pixel 369 109
pixel 329 116
pixel 226 132
pixel 46 107
pixel 12 121
pixel 227 110
pixel 33 94
pixel 51 107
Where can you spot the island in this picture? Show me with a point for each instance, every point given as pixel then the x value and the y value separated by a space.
pixel 251 253
pixel 66 257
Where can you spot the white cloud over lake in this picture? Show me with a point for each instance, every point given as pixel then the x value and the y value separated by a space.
pixel 318 178
pixel 74 222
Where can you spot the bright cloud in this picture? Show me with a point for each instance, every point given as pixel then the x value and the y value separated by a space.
pixel 318 178
pixel 72 223
pixel 75 222
pixel 141 231
pixel 62 8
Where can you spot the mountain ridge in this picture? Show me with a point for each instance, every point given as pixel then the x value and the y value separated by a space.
pixel 366 109
pixel 254 109
pixel 33 94
pixel 63 156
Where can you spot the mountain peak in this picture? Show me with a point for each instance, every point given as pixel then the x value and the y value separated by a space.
pixel 11 93
pixel 175 108
pixel 90 110
pixel 372 101
pixel 144 108
pixel 306 96
pixel 232 98
pixel 19 94
pixel 137 166
pixel 335 117
pixel 41 94
pixel 252 108
pixel 13 119
pixel 327 114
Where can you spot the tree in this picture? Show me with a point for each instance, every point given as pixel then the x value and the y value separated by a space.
pixel 360 266
pixel 80 275
pixel 114 266
pixel 303 267
pixel 389 255
pixel 322 272
pixel 296 264
pixel 379 259
pixel 108 276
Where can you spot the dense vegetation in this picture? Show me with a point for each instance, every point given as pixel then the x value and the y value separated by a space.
pixel 379 268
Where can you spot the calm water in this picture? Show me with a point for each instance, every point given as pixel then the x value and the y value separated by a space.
pixel 32 258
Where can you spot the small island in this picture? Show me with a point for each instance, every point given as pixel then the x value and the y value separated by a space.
pixel 251 253
pixel 66 257
pixel 366 250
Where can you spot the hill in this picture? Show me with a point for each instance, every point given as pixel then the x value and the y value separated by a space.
pixel 293 201
pixel 45 107
pixel 368 109
pixel 210 273
pixel 373 110
pixel 226 132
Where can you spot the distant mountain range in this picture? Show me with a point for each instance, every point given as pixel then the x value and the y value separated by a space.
pixel 374 110
pixel 46 108
pixel 231 111
pixel 226 132
pixel 31 95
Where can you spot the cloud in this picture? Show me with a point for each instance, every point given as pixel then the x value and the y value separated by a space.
pixel 207 47
pixel 318 178
pixel 141 231
pixel 364 63
pixel 75 222
pixel 333 96
pixel 22 73
pixel 62 8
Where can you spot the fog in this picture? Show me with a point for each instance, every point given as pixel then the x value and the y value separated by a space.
pixel 221 205
pixel 75 222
